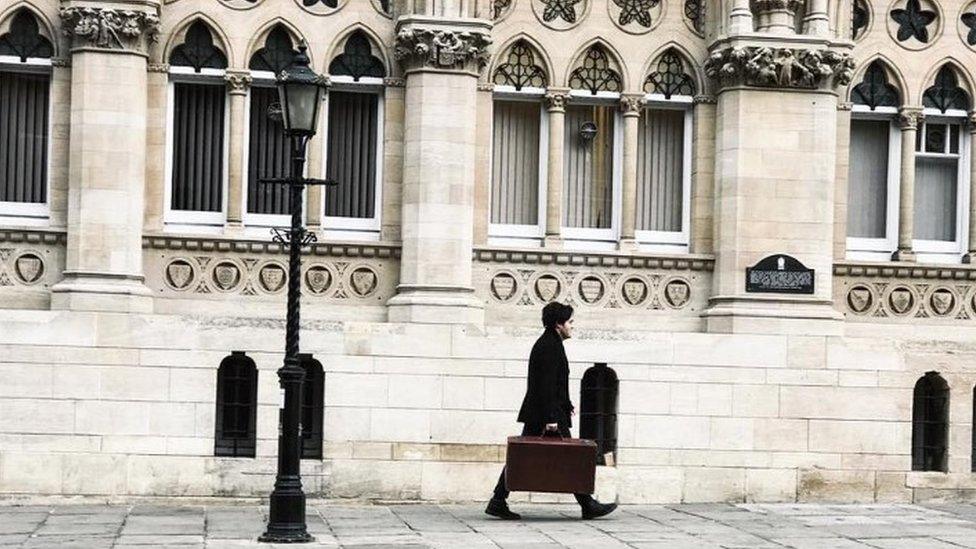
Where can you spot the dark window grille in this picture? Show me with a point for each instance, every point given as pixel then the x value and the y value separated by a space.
pixel 312 407
pixel 670 77
pixel 25 39
pixel 237 406
pixel 353 121
pixel 23 136
pixel 198 50
pixel 930 424
pixel 946 93
pixel 598 409
pixel 560 9
pixel 268 155
pixel 874 89
pixel 277 54
pixel 595 73
pixel 695 12
pixel 519 69
pixel 198 147
pixel 969 19
pixel 913 21
pixel 329 3
pixel 859 18
pixel 357 59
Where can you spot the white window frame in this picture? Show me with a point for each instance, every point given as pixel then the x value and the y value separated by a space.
pixel 32 214
pixel 354 228
pixel 256 225
pixel 600 239
pixel 183 220
pixel 502 234
pixel 880 249
pixel 938 251
pixel 673 241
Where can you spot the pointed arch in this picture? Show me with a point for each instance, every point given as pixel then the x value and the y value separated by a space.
pixel 278 24
pixel 220 39
pixel 540 57
pixel 520 67
pixel 691 67
pixel 894 76
pixel 375 43
pixel 360 55
pixel 44 26
pixel 936 89
pixel 671 73
pixel 875 89
pixel 597 49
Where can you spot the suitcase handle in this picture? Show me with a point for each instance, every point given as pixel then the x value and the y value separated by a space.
pixel 555 434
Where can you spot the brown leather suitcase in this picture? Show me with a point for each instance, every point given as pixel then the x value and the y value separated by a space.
pixel 550 464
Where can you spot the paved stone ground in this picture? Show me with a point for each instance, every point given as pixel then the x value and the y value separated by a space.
pixel 341 525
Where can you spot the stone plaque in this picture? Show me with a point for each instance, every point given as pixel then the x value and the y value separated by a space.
pixel 779 274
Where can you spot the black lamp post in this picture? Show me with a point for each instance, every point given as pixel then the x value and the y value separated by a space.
pixel 300 92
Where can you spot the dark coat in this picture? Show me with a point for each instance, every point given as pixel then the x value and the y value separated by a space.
pixel 547 392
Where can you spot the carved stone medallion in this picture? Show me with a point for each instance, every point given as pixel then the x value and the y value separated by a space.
pixel 942 301
pixel 503 286
pixel 547 287
pixel 318 279
pixel 179 274
pixel 363 281
pixel 272 277
pixel 859 299
pixel 677 293
pixel 591 289
pixel 634 291
pixel 29 268
pixel 226 275
pixel 901 300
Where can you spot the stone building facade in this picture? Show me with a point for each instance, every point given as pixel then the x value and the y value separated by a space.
pixel 636 158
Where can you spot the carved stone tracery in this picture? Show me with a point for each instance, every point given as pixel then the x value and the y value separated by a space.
pixel 768 67
pixel 106 28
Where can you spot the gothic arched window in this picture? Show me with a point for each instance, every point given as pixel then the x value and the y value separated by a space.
pixel 24 40
pixel 874 89
pixel 520 69
pixel 595 72
pixel 598 409
pixel 198 50
pixel 237 406
pixel 277 54
pixel 670 78
pixel 357 59
pixel 930 424
pixel 312 407
pixel 945 93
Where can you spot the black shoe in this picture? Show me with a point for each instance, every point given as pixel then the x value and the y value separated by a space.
pixel 596 509
pixel 499 508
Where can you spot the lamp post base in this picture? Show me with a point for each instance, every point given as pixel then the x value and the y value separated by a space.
pixel 286 523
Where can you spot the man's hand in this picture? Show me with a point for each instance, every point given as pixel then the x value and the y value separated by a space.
pixel 552 426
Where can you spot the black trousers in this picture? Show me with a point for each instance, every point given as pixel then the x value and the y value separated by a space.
pixel 531 430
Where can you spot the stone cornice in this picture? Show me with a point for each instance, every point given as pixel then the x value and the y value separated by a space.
pixel 442 45
pixel 108 29
pixel 905 270
pixel 784 67
pixel 591 259
pixel 34 236
pixel 345 249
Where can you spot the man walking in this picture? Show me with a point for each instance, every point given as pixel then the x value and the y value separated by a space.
pixel 546 406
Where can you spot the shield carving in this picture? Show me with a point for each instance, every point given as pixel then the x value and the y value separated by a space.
pixel 547 287
pixel 318 279
pixel 859 299
pixel 635 291
pixel 942 301
pixel 179 274
pixel 503 287
pixel 363 281
pixel 226 275
pixel 677 293
pixel 29 268
pixel 900 300
pixel 591 289
pixel 272 278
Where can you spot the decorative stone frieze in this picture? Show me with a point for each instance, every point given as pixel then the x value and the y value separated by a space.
pixel 771 67
pixel 29 260
pixel 540 257
pixel 109 29
pixel 420 46
pixel 873 292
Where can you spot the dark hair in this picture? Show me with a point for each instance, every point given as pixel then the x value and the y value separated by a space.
pixel 556 313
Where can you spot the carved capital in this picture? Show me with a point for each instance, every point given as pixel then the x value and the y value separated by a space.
pixel 631 105
pixel 556 101
pixel 237 82
pixel 109 29
pixel 157 67
pixel 432 47
pixel 703 99
pixel 845 105
pixel 909 118
pixel 770 67
pixel 392 82
pixel 971 122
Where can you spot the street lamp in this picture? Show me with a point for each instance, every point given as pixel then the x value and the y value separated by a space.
pixel 300 92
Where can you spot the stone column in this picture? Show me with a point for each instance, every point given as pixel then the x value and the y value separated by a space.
pixel 238 82
pixel 442 59
pixel 740 18
pixel 106 159
pixel 556 99
pixel 817 21
pixel 970 257
pixel 908 120
pixel 314 168
pixel 773 197
pixel 631 106
pixel 703 176
pixel 777 16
